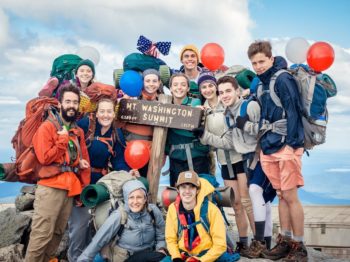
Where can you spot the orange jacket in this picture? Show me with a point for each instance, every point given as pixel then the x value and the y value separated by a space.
pixel 51 148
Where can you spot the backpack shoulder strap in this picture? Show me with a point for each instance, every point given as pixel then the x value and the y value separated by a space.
pixel 54 118
pixel 123 221
pixel 273 94
pixel 119 136
pixel 91 129
pixel 204 214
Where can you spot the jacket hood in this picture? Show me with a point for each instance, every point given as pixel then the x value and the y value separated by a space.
pixel 130 187
pixel 205 190
pixel 278 64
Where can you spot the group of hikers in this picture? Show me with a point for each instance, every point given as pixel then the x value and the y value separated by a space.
pixel 257 143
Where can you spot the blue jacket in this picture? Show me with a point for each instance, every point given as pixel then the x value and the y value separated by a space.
pixel 98 151
pixel 286 89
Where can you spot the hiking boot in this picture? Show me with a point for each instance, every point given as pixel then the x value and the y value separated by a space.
pixel 298 253
pixel 280 250
pixel 241 249
pixel 256 248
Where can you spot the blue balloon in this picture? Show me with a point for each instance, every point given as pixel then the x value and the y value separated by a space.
pixel 131 83
pixel 254 85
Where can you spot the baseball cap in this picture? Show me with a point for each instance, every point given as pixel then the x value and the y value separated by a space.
pixel 190 177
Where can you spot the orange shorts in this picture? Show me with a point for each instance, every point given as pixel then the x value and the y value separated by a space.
pixel 283 168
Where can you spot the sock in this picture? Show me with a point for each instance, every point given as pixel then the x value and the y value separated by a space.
pixel 299 239
pixel 286 233
pixel 259 230
pixel 244 240
pixel 268 242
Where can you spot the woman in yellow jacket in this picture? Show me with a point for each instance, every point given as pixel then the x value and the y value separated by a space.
pixel 187 238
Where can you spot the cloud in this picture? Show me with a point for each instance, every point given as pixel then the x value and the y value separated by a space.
pixel 4 29
pixel 33 35
pixel 338 170
pixel 9 100
pixel 37 33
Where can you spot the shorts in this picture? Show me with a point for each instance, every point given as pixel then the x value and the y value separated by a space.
pixel 200 166
pixel 283 168
pixel 237 169
pixel 258 177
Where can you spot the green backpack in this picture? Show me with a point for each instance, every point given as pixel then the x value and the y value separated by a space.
pixel 140 62
pixel 63 67
pixel 243 75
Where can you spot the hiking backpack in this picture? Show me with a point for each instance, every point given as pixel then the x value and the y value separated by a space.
pixel 114 182
pixel 204 212
pixel 140 62
pixel 314 90
pixel 63 67
pixel 243 75
pixel 37 111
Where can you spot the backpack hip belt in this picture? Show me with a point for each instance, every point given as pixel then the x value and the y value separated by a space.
pixel 188 148
pixel 103 171
pixel 65 168
pixel 278 127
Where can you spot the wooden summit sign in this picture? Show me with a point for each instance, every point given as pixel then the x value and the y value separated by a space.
pixel 157 114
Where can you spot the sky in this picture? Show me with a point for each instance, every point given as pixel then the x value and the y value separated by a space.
pixel 33 33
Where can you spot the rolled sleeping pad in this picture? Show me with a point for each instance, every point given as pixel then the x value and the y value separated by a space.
pixel 144 182
pixel 168 196
pixel 117 74
pixel 8 172
pixel 225 198
pixel 93 195
pixel 245 78
pixel 329 84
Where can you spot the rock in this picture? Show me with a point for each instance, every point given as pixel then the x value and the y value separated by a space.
pixel 62 249
pixel 25 200
pixel 13 226
pixel 13 253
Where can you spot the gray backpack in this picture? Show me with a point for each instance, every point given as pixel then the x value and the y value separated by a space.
pixel 314 90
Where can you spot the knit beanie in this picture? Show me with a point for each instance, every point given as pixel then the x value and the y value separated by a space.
pixel 189 47
pixel 88 63
pixel 206 76
pixel 150 72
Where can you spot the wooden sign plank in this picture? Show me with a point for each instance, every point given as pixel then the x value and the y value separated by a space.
pixel 157 155
pixel 155 113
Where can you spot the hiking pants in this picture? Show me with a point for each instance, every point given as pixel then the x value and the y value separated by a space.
pixel 79 232
pixel 52 208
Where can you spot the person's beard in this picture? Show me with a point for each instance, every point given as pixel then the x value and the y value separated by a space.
pixel 66 117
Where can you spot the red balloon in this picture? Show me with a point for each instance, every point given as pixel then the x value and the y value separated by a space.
pixel 212 56
pixel 137 154
pixel 320 56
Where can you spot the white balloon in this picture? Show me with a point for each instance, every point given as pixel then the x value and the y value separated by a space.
pixel 296 50
pixel 89 52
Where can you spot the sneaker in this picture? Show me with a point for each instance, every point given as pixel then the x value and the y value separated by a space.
pixel 241 249
pixel 256 248
pixel 298 253
pixel 281 250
